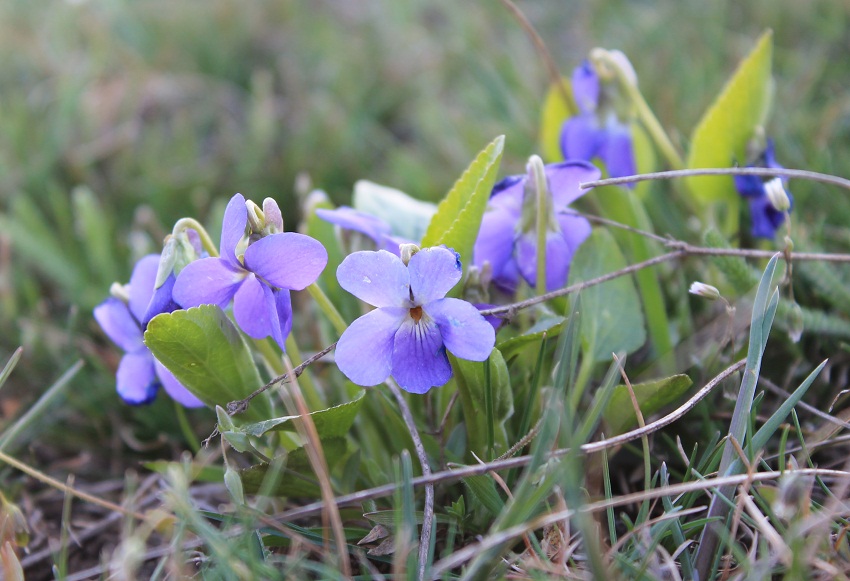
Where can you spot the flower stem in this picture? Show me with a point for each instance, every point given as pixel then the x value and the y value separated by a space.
pixel 187 223
pixel 542 219
pixel 653 126
pixel 186 428
pixel 311 394
pixel 327 307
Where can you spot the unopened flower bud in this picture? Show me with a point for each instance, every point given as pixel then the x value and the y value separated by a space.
pixel 777 195
pixel 273 217
pixel 613 64
pixel 795 322
pixel 256 220
pixel 120 291
pixel 704 290
pixel 407 252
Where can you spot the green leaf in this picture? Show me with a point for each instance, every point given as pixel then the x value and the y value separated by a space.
pixel 483 489
pixel 333 422
pixel 206 353
pixel 458 216
pixel 721 137
pixel 552 116
pixel 407 216
pixel 651 397
pixel 471 383
pixel 548 327
pixel 299 479
pixel 612 320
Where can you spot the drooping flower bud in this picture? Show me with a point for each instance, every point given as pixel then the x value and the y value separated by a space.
pixel 706 291
pixel 777 195
pixel 273 217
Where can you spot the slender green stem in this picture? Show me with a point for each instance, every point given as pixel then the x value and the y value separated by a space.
pixel 186 428
pixel 584 370
pixel 327 308
pixel 542 217
pixel 187 223
pixel 653 126
pixel 489 411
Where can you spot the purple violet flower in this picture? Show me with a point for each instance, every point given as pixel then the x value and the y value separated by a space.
pixel 139 373
pixel 371 226
pixel 511 251
pixel 764 217
pixel 408 334
pixel 257 277
pixel 597 131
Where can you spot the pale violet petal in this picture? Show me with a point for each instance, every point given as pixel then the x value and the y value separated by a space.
pixel 433 273
pixel 575 230
pixel 618 153
pixel 174 388
pixel 585 85
pixel 287 260
pixel 141 285
pixel 253 308
pixel 558 256
pixel 162 300
pixel 495 242
pixel 419 356
pixel 282 322
pixel 364 353
pixel 137 383
pixel 564 179
pixel 208 281
pixel 581 138
pixel 233 228
pixel 466 333
pixel 118 323
pixel 378 278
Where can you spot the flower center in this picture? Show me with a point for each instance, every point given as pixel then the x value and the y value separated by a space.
pixel 416 314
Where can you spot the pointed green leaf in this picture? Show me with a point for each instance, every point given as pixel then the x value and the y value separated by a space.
pixel 612 320
pixel 333 422
pixel 407 216
pixel 483 489
pixel 458 216
pixel 552 116
pixel 720 139
pixel 548 327
pixel 651 397
pixel 206 353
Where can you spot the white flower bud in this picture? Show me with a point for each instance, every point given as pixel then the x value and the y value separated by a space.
pixel 777 195
pixel 407 252
pixel 704 290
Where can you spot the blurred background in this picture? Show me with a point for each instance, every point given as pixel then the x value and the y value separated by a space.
pixel 119 117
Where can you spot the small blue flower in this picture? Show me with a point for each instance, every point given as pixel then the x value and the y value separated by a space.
pixel 511 251
pixel 257 278
pixel 408 334
pixel 139 373
pixel 764 217
pixel 598 130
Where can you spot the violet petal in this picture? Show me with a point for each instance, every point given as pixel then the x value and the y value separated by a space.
pixel 162 300
pixel 208 281
pixel 585 85
pixel 174 388
pixel 618 153
pixel 352 219
pixel 378 278
pixel 433 273
pixel 253 309
pixel 141 285
pixel 558 257
pixel 287 260
pixel 137 383
pixel 233 228
pixel 581 138
pixel 465 332
pixel 364 352
pixel 419 356
pixel 564 179
pixel 120 326
pixel 495 240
